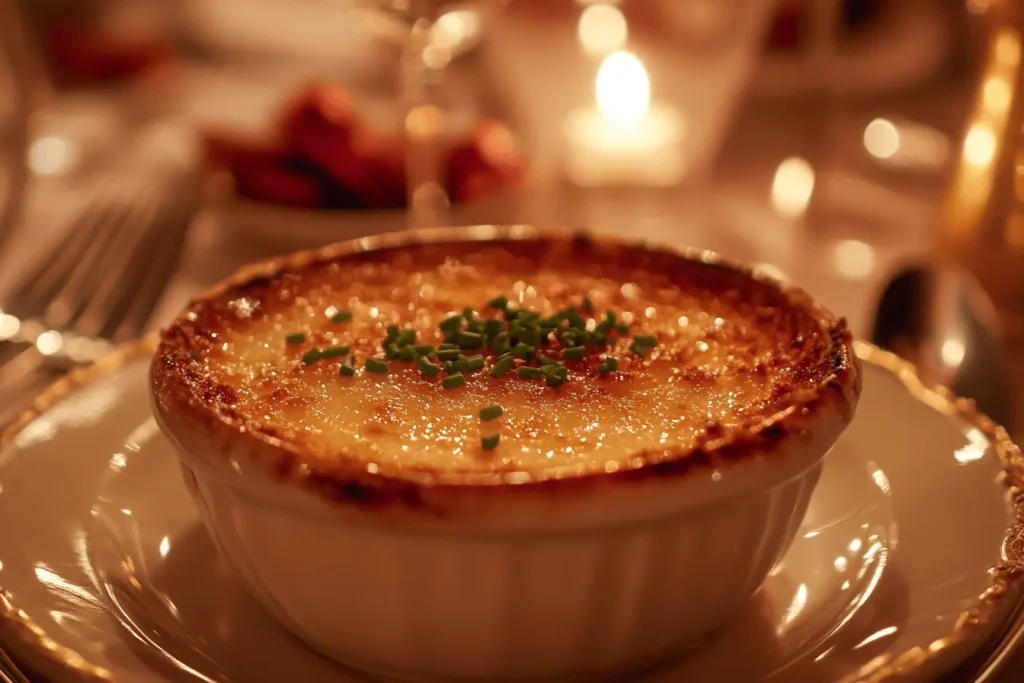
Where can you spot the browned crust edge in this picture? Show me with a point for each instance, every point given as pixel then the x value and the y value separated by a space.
pixel 347 479
pixel 36 648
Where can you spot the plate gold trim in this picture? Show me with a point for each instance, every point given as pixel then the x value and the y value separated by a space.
pixel 20 632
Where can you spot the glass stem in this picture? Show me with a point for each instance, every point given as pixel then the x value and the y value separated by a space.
pixel 427 199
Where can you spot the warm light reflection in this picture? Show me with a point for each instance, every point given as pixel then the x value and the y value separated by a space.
pixel 49 342
pixel 840 564
pixel 623 90
pixel 882 139
pixel 953 352
pixel 995 92
pixel 976 448
pixel 165 546
pixel 795 607
pixel 792 187
pixel 979 145
pixel 51 155
pixel 771 270
pixel 9 326
pixel 63 588
pixel 881 481
pixel 853 259
pixel 602 29
pixel 877 635
pixel 855 545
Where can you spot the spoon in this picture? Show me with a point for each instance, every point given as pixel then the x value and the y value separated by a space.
pixel 939 318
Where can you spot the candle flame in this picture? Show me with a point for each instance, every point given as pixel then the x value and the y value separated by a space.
pixel 623 89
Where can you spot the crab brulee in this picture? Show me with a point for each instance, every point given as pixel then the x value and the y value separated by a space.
pixel 502 453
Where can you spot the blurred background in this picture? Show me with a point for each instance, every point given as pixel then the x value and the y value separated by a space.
pixel 819 140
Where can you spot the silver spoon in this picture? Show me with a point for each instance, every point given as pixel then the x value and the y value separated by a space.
pixel 940 318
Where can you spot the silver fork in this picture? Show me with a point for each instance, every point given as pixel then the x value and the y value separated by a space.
pixel 99 284
pixel 10 672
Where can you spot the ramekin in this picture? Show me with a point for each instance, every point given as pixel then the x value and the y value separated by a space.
pixel 566 579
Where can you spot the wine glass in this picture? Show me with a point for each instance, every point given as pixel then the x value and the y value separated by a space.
pixel 434 29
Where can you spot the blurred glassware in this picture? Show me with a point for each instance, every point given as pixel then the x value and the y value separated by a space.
pixel 982 223
pixel 434 30
pixel 22 86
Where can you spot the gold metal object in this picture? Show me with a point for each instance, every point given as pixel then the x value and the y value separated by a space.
pixel 982 222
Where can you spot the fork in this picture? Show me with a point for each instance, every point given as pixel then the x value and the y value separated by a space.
pixel 99 284
pixel 11 672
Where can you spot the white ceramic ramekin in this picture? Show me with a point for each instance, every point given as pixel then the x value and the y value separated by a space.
pixel 512 579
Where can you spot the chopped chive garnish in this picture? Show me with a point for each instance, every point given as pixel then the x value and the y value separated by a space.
pixel 524 350
pixel 492 328
pixel 406 354
pixel 511 313
pixel 453 322
pixel 491 412
pixel 637 349
pixel 448 354
pixel 574 352
pixel 528 318
pixel 490 442
pixel 427 368
pixel 646 340
pixel 423 350
pixel 447 347
pixel 501 344
pixel 557 376
pixel 502 366
pixel 312 356
pixel 475 362
pixel 449 366
pixel 608 365
pixel 530 336
pixel 499 302
pixel 347 368
pixel 393 332
pixel 453 381
pixel 377 366
pixel 406 337
pixel 334 351
pixel 296 338
pixel 468 313
pixel 391 350
pixel 544 360
pixel 622 328
pixel 548 323
pixel 471 340
pixel 588 305
pixel 529 373
pixel 341 317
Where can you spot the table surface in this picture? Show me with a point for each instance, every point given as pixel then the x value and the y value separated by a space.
pixel 862 223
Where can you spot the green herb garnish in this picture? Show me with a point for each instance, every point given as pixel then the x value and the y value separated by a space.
pixel 490 442
pixel 453 381
pixel 427 368
pixel 378 366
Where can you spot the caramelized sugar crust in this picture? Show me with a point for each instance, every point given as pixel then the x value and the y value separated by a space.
pixel 733 353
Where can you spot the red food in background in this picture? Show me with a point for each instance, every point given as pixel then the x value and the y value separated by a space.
pixel 484 165
pixel 328 158
pixel 79 54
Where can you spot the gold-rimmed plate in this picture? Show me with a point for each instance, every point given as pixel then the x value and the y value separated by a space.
pixel 907 562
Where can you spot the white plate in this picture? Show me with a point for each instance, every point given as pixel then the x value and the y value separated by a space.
pixel 900 565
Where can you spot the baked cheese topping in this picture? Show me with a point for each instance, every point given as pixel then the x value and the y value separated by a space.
pixel 698 350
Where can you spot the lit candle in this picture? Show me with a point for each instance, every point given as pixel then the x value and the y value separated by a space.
pixel 624 140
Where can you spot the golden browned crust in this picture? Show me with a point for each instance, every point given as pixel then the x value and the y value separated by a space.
pixel 789 341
